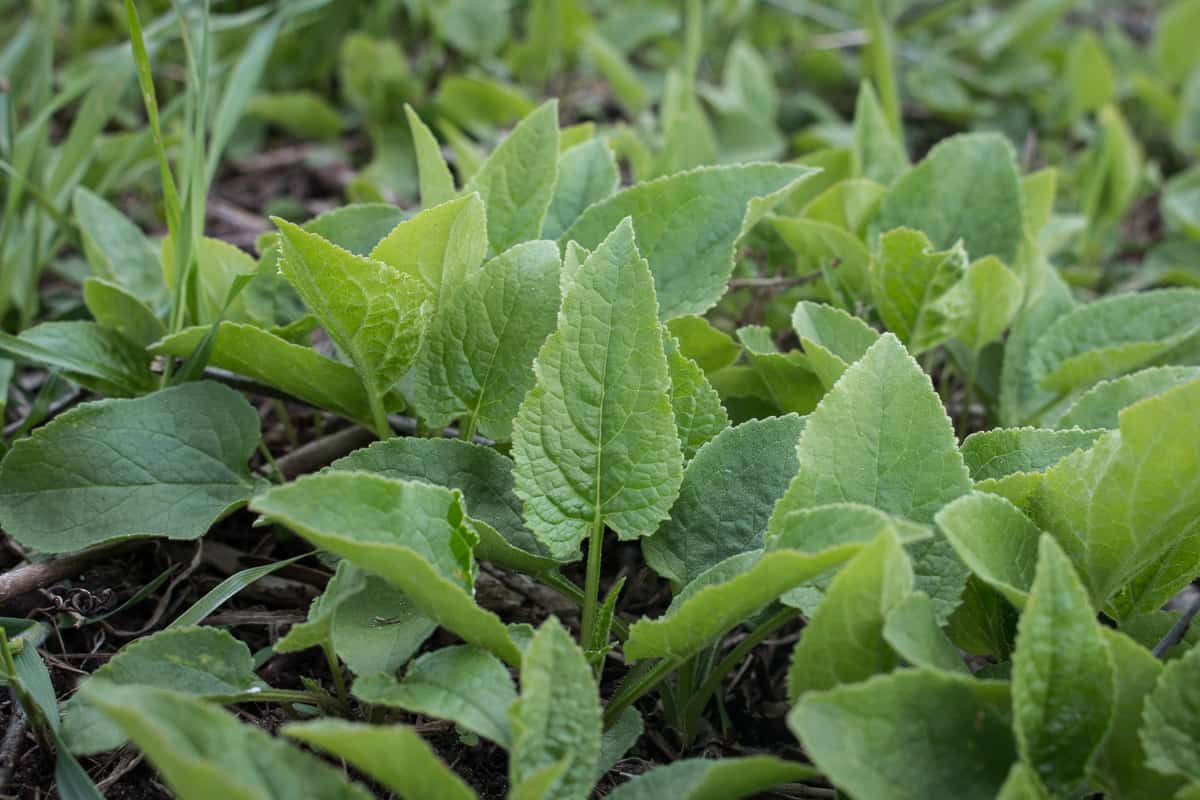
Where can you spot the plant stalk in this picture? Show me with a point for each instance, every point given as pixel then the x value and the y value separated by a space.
pixel 591 587
pixel 629 693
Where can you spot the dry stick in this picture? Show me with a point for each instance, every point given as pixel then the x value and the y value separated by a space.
pixel 784 282
pixel 13 737
pixel 29 577
pixel 1178 630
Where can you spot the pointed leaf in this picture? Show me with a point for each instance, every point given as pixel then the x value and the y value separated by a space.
pixel 116 248
pixel 587 174
pixel 96 357
pixel 699 415
pixel 698 340
pixel 378 629
pixel 877 153
pixel 437 185
pixel 317 629
pixel 1170 720
pixel 994 539
pixel 913 632
pixel 1100 406
pixel 908 279
pixel 115 307
pixel 831 338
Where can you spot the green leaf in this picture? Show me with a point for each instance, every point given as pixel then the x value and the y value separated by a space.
pixel 587 174
pixel 851 734
pixel 472 27
pixel 204 753
pixel 194 661
pixel 912 630
pixel 440 247
pixel 1112 171
pixel 96 357
pixel 303 113
pixel 1125 503
pixel 617 740
pixel 999 452
pixel 880 437
pixel 168 464
pixel 437 185
pixel 1173 48
pixel 373 312
pixel 830 249
pixel 709 607
pixel 558 715
pixel 413 535
pixel 712 779
pixel 910 281
pixel 394 755
pixel 688 225
pixel 967 188
pixel 117 249
pixel 1089 74
pixel 699 415
pixel 482 475
pixel 1062 684
pixel 317 629
pixel 1022 784
pixel 378 629
pixel 983 304
pixel 218 268
pixel 1170 720
pixel 831 338
pixel 843 641
pixel 726 498
pixel 357 228
pixel 1022 399
pixel 623 80
pixel 477 358
pixel 877 153
pixel 115 307
pixel 594 441
pixel 517 180
pixel 214 598
pixel 299 371
pixel 994 539
pixel 791 386
pixel 1116 335
pixel 469 686
pixel 698 340
pixel 1121 766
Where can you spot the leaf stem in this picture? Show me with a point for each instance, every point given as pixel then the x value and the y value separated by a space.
pixel 335 667
pixel 383 428
pixel 591 586
pixel 568 589
pixel 630 692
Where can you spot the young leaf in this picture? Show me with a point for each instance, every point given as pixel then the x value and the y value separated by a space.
pixel 558 716
pixel 688 224
pixel 93 356
pixel 999 452
pixel 115 307
pixel 1063 684
pixel 477 359
pixel 517 180
pixel 594 441
pixel 1022 399
pixel 843 641
pixel 437 185
pixel 698 340
pixel 295 369
pixel 967 188
pixel 378 628
pixel 983 304
pixel 994 539
pixel 317 629
pixel 168 464
pixel 373 312
pixel 851 735
pixel 881 437
pixel 587 174
pixel 828 249
pixel 117 249
pixel 205 753
pixel 791 385
pixel 413 535
pixel 908 279
pixel 394 755
pixel 440 247
pixel 877 153
pixel 1100 406
pixel 831 338
pixel 912 630
pixel 1170 721
pixel 699 415
pixel 712 779
pixel 195 661
pixel 726 498
pixel 466 685
pixel 485 479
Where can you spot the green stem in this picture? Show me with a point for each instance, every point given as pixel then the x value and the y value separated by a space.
pixel 568 589
pixel 339 681
pixel 591 586
pixel 768 626
pixel 467 427
pixel 283 696
pixel 383 428
pixel 630 692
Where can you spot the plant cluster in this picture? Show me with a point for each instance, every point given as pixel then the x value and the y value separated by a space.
pixel 935 417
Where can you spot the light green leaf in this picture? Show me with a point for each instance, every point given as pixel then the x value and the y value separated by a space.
pixel 1125 503
pixel 437 185
pixel 622 78
pixel 302 113
pixel 909 281
pixel 699 415
pixel 194 661
pixel 357 228
pixel 477 360
pixel 317 629
pixel 558 716
pixel 394 755
pixel 999 452
pixel 474 27
pixel 517 180
pixel 831 338
pixel 587 174
pixel 168 464
pixel 708 608
pixel 378 629
pixel 712 779
pixel 1116 335
pixel 91 355
pixel 994 539
pixel 825 247
pixel 877 153
pixel 469 686
pixel 1170 720
pixel 205 753
pixel 726 498
pixel 1022 399
pixel 843 641
pixel 1062 684
pixel 791 385
pixel 1121 766
pixel 117 249
pixel 1173 47
pixel 295 369
pixel 372 311
pixel 1112 170
pixel 440 247
pixel 218 264
pixel 485 479
pixel 114 306
pixel 698 340
pixel 912 630
pixel 851 735
pixel 983 304
pixel 1089 74
pixel 413 535
pixel 848 204
pixel 688 224
pixel 1022 784
pixel 967 188
pixel 594 441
